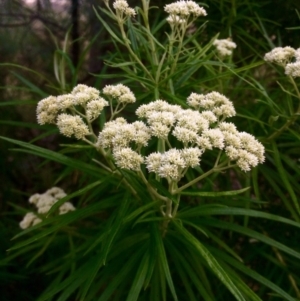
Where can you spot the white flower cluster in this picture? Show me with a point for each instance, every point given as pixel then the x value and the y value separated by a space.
pixel 180 11
pixel 287 57
pixel 171 163
pixel 198 129
pixel 43 203
pixel 280 55
pixel 55 110
pixel 30 219
pixel 215 102
pixel 122 7
pixel 119 92
pixel 224 47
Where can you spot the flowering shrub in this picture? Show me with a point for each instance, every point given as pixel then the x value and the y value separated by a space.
pixel 145 220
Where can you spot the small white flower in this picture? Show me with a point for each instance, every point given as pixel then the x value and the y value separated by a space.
pixel 228 127
pixel 215 137
pixel 160 130
pixel 293 69
pixel 297 54
pixel 175 20
pixel 232 139
pixel 185 8
pixel 47 110
pixel 224 47
pixel 153 162
pixel 66 207
pixel 142 133
pixel 119 92
pixel 65 101
pixel 166 118
pixel 280 55
pixel 45 201
pixel 123 136
pixel 232 152
pixel 95 107
pixel 128 159
pixel 185 135
pixel 246 160
pixel 110 130
pixel 121 6
pixel 30 219
pixel 172 163
pixel 209 116
pixel 169 164
pixel 70 125
pixel 191 156
pixel 82 94
pixel 192 120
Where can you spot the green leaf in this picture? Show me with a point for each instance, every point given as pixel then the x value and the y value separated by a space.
pixel 164 262
pixel 210 210
pixel 254 275
pixel 108 28
pixel 284 177
pixel 139 279
pixel 29 84
pixel 211 261
pixel 251 233
pixel 54 156
pixel 215 194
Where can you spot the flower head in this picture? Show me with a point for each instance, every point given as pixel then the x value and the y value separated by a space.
pixel 127 158
pixel 82 94
pixel 95 107
pixel 72 125
pixel 119 92
pixel 30 219
pixel 293 69
pixel 47 110
pixel 280 55
pixel 185 9
pixel 224 47
pixel 43 203
pixel 122 7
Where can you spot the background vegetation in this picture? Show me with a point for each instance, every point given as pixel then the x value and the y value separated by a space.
pixel 32 37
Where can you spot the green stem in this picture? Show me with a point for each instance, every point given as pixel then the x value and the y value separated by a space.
pixel 214 169
pixel 152 191
pixel 150 40
pixel 293 118
pixel 132 52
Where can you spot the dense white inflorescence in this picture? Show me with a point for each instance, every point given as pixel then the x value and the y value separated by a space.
pixel 287 57
pixel 43 203
pixel 199 128
pixel 122 7
pixel 224 47
pixel 184 9
pixel 280 55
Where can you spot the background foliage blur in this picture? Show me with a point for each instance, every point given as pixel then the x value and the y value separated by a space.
pixel 31 32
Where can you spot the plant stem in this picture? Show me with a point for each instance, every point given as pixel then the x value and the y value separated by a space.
pixel 214 169
pixel 292 119
pixel 132 52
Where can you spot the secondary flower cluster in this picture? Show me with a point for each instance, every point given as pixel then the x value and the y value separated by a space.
pixel 198 129
pixel 43 203
pixel 123 10
pixel 287 57
pixel 180 11
pixel 224 47
pixel 68 111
